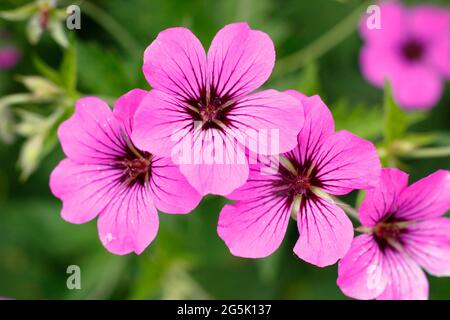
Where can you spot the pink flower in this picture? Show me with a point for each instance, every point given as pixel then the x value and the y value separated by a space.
pixel 324 162
pixel 106 175
pixel 405 231
pixel 214 90
pixel 411 50
pixel 9 58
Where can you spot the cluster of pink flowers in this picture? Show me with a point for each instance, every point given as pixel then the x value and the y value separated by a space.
pixel 120 167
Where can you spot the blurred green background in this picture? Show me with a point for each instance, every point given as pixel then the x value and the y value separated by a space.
pixel 187 260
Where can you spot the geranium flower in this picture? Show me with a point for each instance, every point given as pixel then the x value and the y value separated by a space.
pixel 323 163
pixel 411 50
pixel 213 90
pixel 106 175
pixel 405 231
pixel 9 57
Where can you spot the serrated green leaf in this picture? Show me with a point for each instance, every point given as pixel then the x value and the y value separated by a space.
pixel 395 119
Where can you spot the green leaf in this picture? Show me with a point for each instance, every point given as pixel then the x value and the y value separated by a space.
pixel 19 14
pixel 68 67
pixel 395 119
pixel 45 70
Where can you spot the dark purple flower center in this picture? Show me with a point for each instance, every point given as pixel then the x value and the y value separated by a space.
pixel 388 233
pixel 211 110
pixel 136 166
pixel 413 50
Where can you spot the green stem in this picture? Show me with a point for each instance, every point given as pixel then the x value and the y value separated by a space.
pixel 112 26
pixel 428 153
pixel 349 210
pixel 321 45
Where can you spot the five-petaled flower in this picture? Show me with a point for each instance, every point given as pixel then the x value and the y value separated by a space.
pixel 106 175
pixel 324 162
pixel 411 49
pixel 404 231
pixel 213 89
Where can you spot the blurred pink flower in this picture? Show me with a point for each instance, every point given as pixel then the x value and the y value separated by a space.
pixel 105 174
pixel 323 162
pixel 411 50
pixel 405 231
pixel 213 89
pixel 9 58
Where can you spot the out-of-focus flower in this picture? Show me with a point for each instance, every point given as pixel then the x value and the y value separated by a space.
pixel 9 57
pixel 324 162
pixel 411 50
pixel 106 175
pixel 214 90
pixel 405 232
pixel 42 15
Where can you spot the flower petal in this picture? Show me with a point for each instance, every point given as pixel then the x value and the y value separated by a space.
pixel 175 62
pixel 278 113
pixel 326 232
pixel 125 107
pixel 129 223
pixel 92 134
pixel 417 86
pixel 254 228
pixel 317 128
pixel 346 162
pixel 360 273
pixel 393 19
pixel 170 190
pixel 428 243
pixel 427 198
pixel 382 199
pixel 220 179
pixel 85 189
pixel 406 280
pixel 240 60
pixel 429 22
pixel 160 123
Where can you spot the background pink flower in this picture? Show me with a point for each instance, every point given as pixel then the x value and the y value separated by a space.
pixel 9 58
pixel 323 162
pixel 212 89
pixel 106 175
pixel 405 231
pixel 411 50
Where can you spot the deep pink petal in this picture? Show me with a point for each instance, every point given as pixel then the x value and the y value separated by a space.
pixel 406 280
pixel 275 114
pixel 428 243
pixel 160 123
pixel 417 86
pixel 85 189
pixel 318 127
pixel 393 18
pixel 175 62
pixel 125 107
pixel 170 190
pixel 360 273
pixel 439 55
pixel 220 179
pixel 92 134
pixel 129 223
pixel 240 60
pixel 427 22
pixel 254 229
pixel 427 198
pixel 346 162
pixel 326 232
pixel 382 199
pixel 379 63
